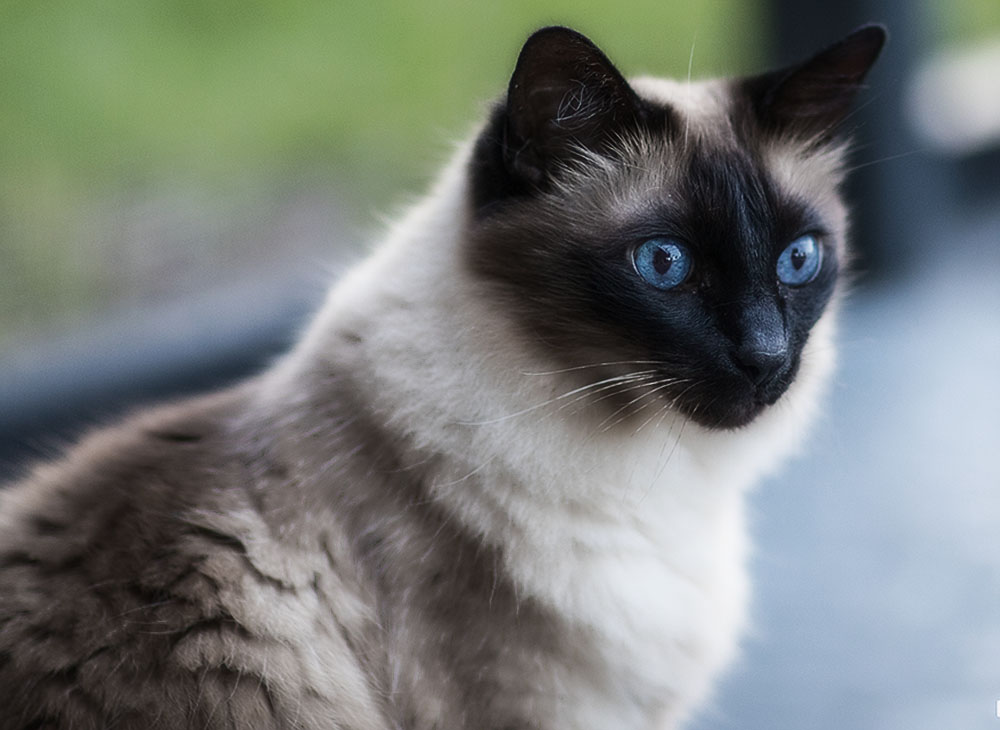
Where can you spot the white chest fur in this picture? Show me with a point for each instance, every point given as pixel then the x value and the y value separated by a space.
pixel 637 545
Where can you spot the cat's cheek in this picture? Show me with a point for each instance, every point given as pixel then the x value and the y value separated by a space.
pixel 818 359
pixel 789 419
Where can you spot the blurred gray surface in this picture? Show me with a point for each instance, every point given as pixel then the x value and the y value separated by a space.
pixel 53 391
pixel 877 571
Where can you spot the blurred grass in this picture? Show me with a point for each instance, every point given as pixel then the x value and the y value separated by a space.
pixel 961 21
pixel 106 104
pixel 106 101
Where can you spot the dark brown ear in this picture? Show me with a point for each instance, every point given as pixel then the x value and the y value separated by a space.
pixel 564 93
pixel 812 98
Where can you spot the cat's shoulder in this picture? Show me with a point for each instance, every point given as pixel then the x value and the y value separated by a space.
pixel 92 572
pixel 156 460
pixel 138 572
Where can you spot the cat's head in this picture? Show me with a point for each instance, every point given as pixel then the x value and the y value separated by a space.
pixel 689 234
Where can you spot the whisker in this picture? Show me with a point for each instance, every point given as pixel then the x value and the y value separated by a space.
pixel 677 398
pixel 663 466
pixel 595 365
pixel 880 160
pixel 664 409
pixel 691 58
pixel 575 391
pixel 687 117
pixel 655 388
pixel 471 474
pixel 609 390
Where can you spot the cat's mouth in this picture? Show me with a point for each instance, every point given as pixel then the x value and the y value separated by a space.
pixel 725 400
pixel 733 401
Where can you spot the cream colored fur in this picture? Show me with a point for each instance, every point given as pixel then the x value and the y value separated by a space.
pixel 634 534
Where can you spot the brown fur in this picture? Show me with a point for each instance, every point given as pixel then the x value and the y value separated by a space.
pixel 126 569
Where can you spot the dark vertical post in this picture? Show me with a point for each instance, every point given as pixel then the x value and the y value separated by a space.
pixel 897 191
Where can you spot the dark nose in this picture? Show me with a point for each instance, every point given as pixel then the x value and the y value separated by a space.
pixel 762 349
pixel 760 365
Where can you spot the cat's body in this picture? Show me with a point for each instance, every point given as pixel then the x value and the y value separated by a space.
pixel 442 509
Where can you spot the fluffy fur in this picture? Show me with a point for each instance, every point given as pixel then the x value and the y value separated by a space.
pixel 429 514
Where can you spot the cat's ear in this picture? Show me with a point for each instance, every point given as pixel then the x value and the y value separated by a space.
pixel 564 94
pixel 812 98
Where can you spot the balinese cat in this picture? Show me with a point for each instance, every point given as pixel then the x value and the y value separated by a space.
pixel 499 483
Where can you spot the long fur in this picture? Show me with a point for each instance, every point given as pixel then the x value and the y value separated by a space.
pixel 419 518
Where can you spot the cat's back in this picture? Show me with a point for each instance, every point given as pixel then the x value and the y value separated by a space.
pixel 129 595
pixel 92 576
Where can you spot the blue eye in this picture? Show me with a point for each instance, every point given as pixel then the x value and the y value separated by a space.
pixel 663 262
pixel 800 262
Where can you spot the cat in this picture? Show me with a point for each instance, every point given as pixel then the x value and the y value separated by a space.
pixel 499 482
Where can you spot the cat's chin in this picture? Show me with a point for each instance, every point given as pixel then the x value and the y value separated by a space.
pixel 728 416
pixel 733 402
pixel 738 410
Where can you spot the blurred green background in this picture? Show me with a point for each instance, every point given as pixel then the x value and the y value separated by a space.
pixel 147 149
pixel 208 116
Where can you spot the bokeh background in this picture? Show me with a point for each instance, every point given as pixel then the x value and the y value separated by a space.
pixel 181 179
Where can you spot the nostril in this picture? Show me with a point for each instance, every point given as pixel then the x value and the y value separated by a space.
pixel 760 366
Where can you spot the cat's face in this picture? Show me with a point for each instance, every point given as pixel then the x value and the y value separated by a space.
pixel 678 239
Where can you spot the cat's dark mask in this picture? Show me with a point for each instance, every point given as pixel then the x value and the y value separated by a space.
pixel 691 234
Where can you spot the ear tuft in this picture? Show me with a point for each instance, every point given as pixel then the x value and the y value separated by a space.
pixel 564 94
pixel 812 98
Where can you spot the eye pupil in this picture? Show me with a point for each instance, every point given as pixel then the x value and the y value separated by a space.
pixel 800 262
pixel 662 261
